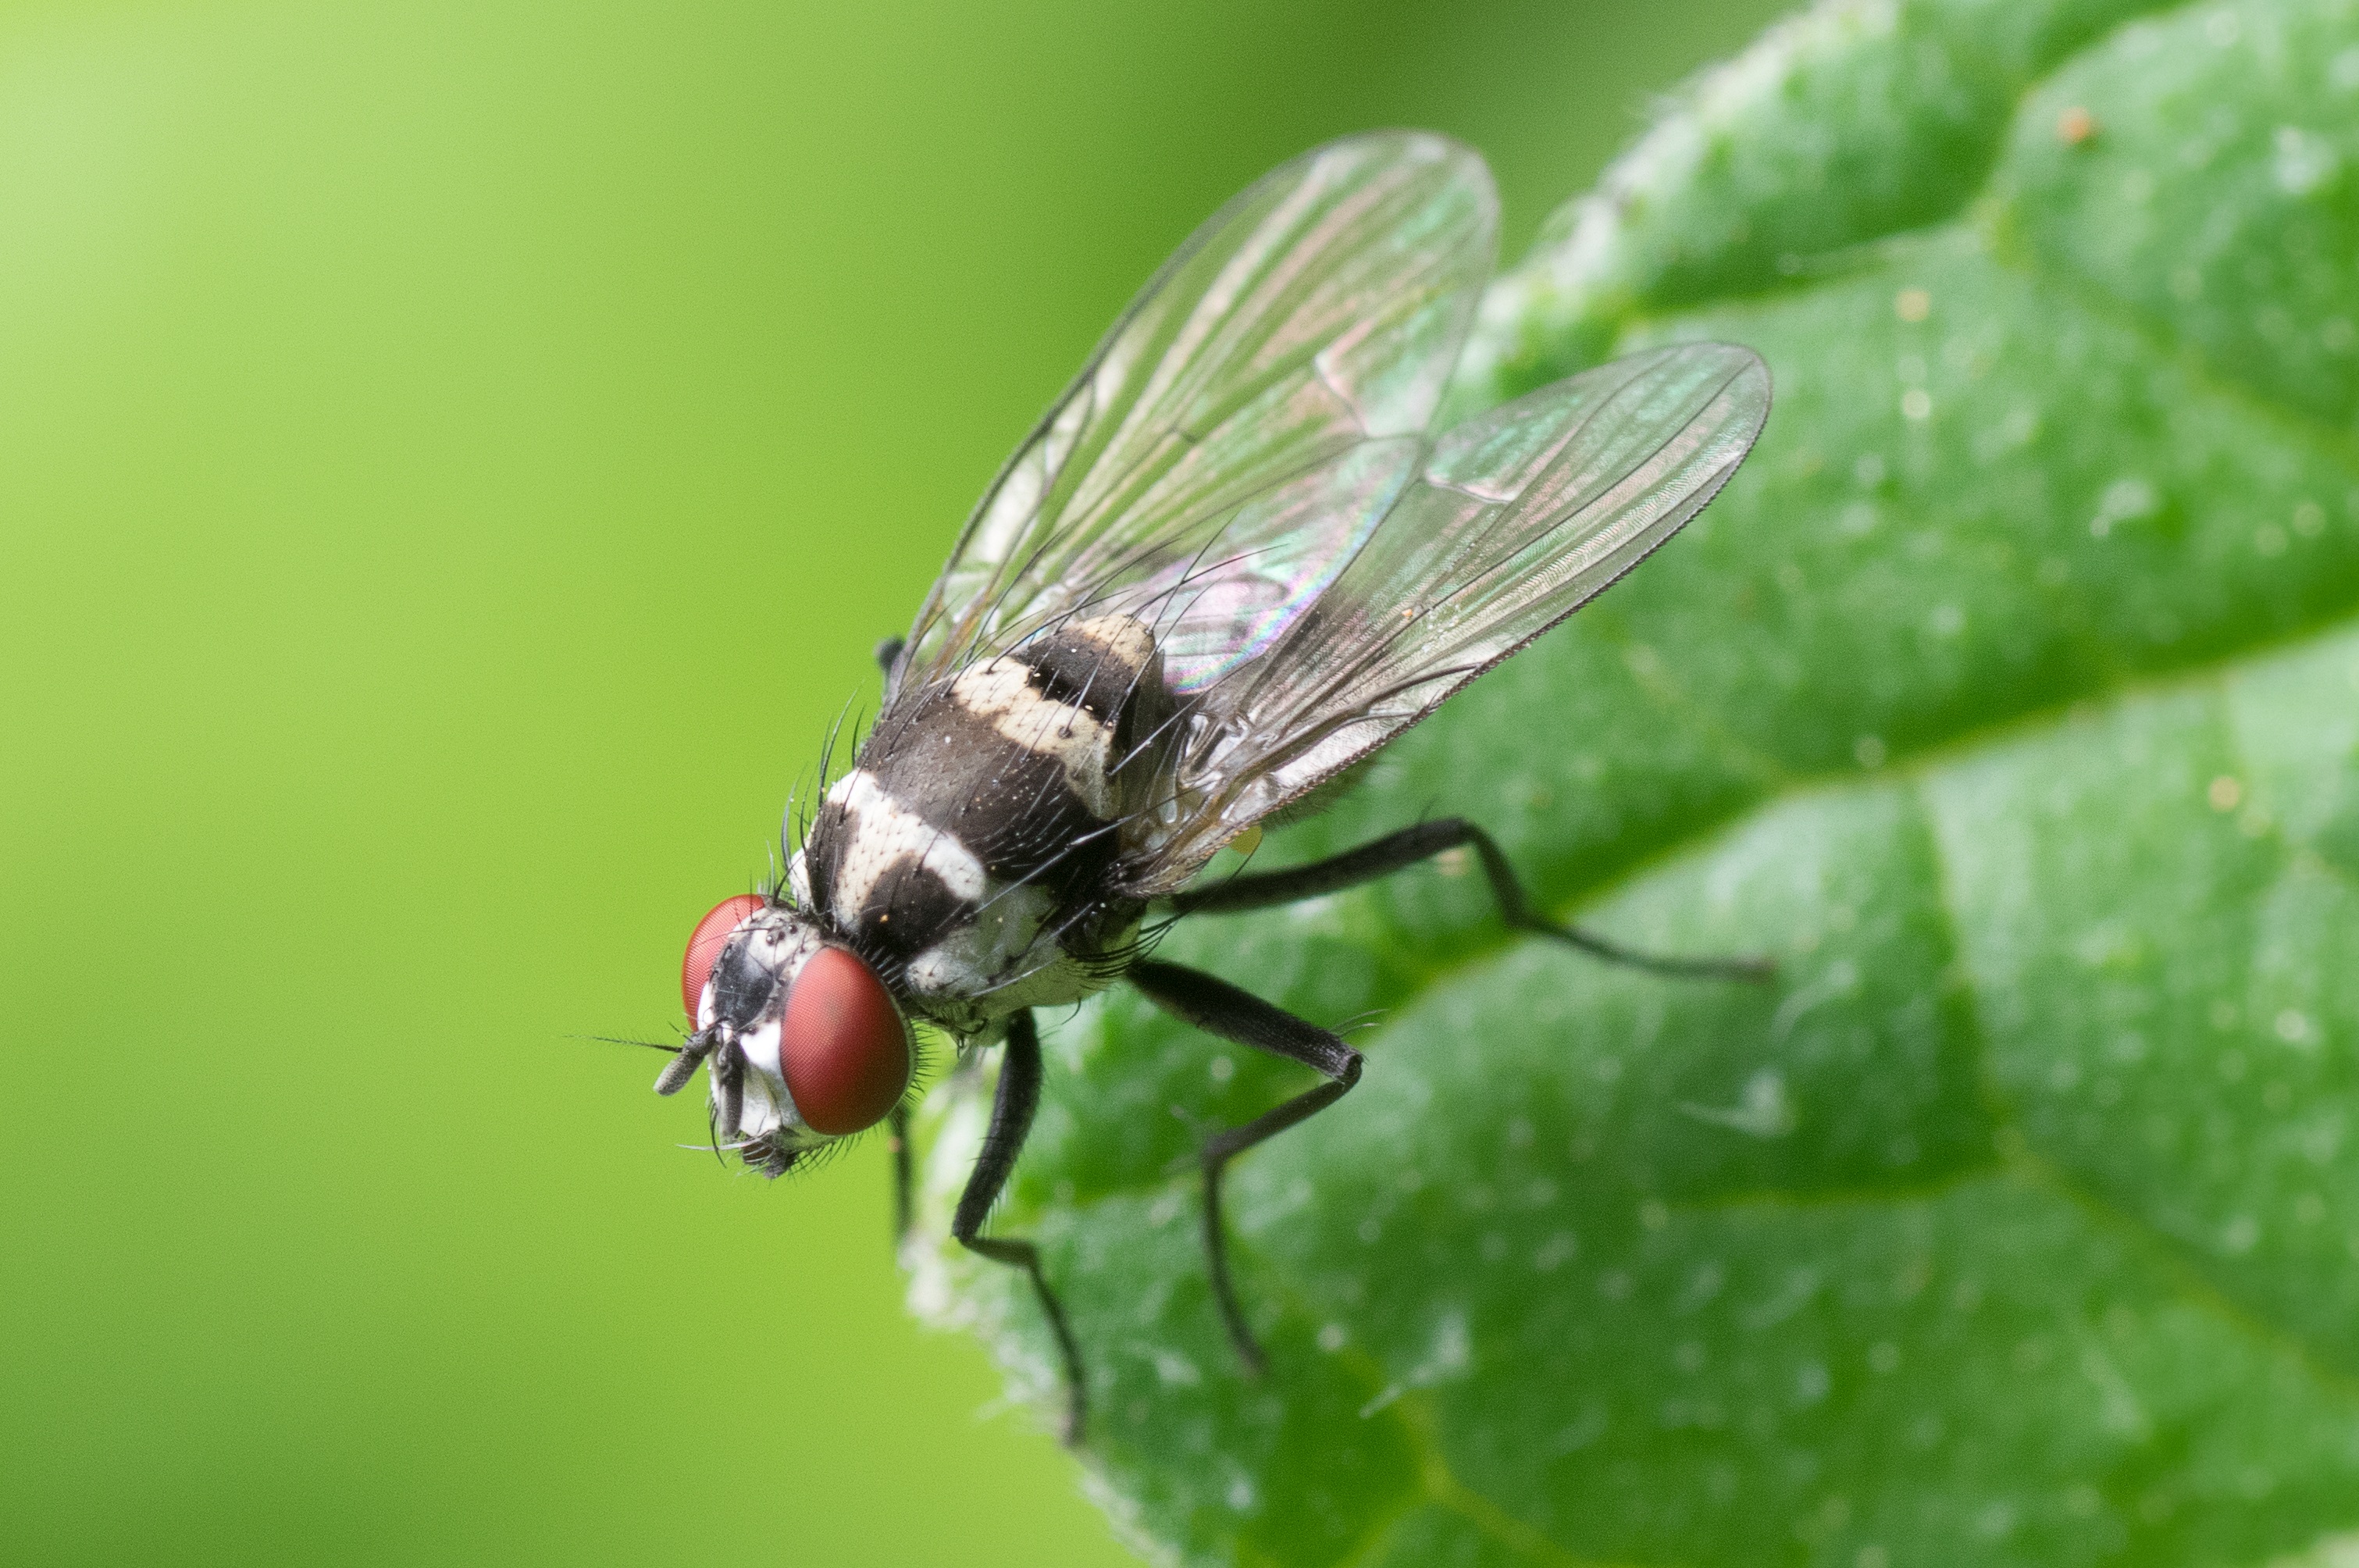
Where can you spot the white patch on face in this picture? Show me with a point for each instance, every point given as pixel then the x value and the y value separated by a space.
pixel 782 942
pixel 883 834
pixel 767 1104
pixel 798 880
pixel 760 1045
pixel 1000 691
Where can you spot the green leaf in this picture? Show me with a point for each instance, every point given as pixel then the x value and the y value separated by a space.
pixel 2010 698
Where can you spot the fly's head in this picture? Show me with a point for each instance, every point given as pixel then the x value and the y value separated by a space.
pixel 801 1041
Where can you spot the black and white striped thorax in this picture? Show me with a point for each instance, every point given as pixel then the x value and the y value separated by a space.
pixel 973 855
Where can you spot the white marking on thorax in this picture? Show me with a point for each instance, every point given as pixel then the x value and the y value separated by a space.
pixel 884 833
pixel 767 1104
pixel 1000 691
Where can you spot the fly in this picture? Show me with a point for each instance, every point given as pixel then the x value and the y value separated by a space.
pixel 1229 564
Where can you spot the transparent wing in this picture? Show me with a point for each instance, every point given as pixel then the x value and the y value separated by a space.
pixel 1514 520
pixel 1244 425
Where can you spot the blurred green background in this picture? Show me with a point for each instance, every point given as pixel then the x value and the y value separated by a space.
pixel 457 461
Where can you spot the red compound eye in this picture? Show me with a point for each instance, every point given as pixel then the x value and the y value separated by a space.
pixel 842 1044
pixel 704 944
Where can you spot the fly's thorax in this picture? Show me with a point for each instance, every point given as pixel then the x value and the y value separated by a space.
pixel 1012 701
pixel 969 854
pixel 976 977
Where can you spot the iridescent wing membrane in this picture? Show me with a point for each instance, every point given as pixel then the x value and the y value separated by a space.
pixel 1242 427
pixel 1244 466
pixel 1515 519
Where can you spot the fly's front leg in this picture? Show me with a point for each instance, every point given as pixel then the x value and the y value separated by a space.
pixel 1011 1118
pixel 898 1142
pixel 1394 852
pixel 1220 1008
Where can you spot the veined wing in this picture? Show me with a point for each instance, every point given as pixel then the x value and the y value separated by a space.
pixel 1243 426
pixel 1515 519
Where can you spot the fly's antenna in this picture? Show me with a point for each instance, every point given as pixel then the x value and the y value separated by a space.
pixel 625 1040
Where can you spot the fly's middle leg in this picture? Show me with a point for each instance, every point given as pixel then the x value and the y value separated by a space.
pixel 1011 1119
pixel 1395 852
pixel 1221 1009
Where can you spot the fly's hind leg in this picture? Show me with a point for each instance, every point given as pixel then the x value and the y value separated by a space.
pixel 1011 1119
pixel 1394 851
pixel 1220 1008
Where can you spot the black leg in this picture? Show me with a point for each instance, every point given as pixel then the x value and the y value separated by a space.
pixel 1011 1119
pixel 899 1143
pixel 729 1074
pixel 1258 890
pixel 1220 1008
